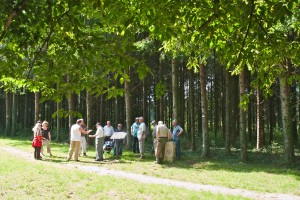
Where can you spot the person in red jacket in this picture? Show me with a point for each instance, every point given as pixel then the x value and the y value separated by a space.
pixel 37 140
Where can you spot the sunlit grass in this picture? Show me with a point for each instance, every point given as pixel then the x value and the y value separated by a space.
pixel 20 179
pixel 264 173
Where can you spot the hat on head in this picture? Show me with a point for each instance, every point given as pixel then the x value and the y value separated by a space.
pixel 98 124
pixel 160 123
pixel 79 120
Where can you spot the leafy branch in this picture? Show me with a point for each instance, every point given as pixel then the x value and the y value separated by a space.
pixel 247 32
pixel 15 11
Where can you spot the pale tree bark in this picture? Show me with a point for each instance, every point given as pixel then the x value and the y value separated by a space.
pixel 128 109
pixel 227 113
pixel 259 119
pixel 289 153
pixel 36 106
pixel 88 110
pixel 70 109
pixel 174 90
pixel 116 110
pixel 243 133
pixel 88 113
pixel 192 109
pixel 205 134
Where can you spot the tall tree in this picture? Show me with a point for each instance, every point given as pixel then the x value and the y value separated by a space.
pixel 228 118
pixel 128 108
pixel 175 99
pixel 36 106
pixel 289 154
pixel 243 133
pixel 205 133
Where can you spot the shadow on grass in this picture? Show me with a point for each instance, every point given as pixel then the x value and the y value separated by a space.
pixel 258 162
pixel 267 162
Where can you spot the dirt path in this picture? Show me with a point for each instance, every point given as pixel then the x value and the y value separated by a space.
pixel 154 180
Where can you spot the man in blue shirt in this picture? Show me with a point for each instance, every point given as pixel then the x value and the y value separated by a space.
pixel 134 131
pixel 176 134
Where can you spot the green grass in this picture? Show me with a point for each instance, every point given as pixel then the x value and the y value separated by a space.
pixel 264 173
pixel 20 179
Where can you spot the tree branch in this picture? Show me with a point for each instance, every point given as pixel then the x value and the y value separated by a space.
pixel 247 32
pixel 15 11
pixel 46 41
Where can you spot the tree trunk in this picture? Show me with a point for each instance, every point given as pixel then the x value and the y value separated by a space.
pixel 286 119
pixel 191 109
pixel 88 113
pixel 271 118
pixel 36 107
pixel 259 121
pixel 14 114
pixel 175 90
pixel 243 134
pixel 8 113
pixel 26 109
pixel 228 113
pixel 293 100
pixel 58 123
pixel 70 109
pixel 128 108
pixel 205 145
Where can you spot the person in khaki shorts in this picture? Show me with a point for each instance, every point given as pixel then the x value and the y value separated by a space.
pixel 163 135
pixel 76 130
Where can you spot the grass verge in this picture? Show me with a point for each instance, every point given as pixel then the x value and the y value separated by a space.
pixel 20 179
pixel 264 173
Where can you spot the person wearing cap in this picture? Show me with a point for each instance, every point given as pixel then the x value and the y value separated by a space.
pixel 119 141
pixel 163 135
pixel 99 142
pixel 141 137
pixel 134 131
pixel 75 132
pixel 176 134
pixel 153 129
pixel 108 131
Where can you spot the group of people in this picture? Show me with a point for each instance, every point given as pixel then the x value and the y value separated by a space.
pixel 102 135
pixel 161 135
pixel 42 136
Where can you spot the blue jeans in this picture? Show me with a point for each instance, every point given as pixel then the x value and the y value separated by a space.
pixel 177 142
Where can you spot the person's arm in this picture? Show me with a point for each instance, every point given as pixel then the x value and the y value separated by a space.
pixel 143 131
pixel 83 131
pixel 169 134
pixel 180 131
pixel 49 135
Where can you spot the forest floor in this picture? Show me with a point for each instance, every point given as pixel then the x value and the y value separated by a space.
pixel 149 179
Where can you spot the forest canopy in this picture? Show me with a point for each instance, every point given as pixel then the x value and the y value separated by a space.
pixel 227 69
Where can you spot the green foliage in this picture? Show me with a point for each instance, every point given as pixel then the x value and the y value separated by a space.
pixel 160 90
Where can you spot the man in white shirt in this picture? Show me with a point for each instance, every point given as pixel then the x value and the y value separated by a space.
pixel 99 141
pixel 75 133
pixel 108 131
pixel 141 137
